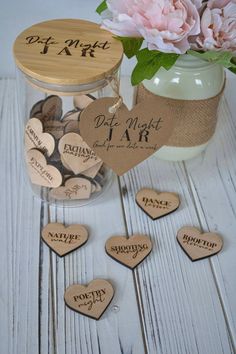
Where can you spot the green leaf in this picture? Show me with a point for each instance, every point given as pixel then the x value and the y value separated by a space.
pixel 149 62
pixel 233 69
pixel 102 7
pixel 131 45
pixel 223 58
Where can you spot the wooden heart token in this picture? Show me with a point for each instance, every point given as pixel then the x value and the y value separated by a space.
pixel 199 245
pixel 83 101
pixel 125 138
pixel 72 127
pixel 75 188
pixel 37 107
pixel 72 115
pixel 36 138
pixel 156 204
pixel 91 300
pixel 55 128
pixel 129 251
pixel 40 172
pixel 76 153
pixel 52 108
pixel 93 171
pixel 63 240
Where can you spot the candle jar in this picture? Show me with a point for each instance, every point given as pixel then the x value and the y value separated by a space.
pixel 193 88
pixel 63 66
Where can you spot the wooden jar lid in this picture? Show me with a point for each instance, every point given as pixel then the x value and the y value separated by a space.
pixel 67 52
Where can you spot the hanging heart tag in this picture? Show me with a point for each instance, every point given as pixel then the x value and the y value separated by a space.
pixel 125 138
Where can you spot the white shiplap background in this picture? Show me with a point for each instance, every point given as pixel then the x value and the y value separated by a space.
pixel 16 15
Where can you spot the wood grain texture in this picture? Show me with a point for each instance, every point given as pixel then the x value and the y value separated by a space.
pixel 34 318
pixel 64 62
pixel 182 310
pixel 183 307
pixel 216 202
pixel 25 307
pixel 103 219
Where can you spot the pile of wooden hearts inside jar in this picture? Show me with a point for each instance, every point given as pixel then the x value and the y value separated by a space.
pixel 56 155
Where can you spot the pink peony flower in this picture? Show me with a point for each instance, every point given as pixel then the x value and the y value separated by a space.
pixel 197 3
pixel 165 24
pixel 218 27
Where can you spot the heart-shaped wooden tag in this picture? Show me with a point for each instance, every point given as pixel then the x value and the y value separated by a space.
pixel 55 128
pixel 52 108
pixel 63 240
pixel 72 115
pixel 129 251
pixel 199 245
pixel 91 300
pixel 72 127
pixel 40 172
pixel 82 101
pixel 37 108
pixel 156 204
pixel 92 171
pixel 76 153
pixel 75 188
pixel 35 138
pixel 125 138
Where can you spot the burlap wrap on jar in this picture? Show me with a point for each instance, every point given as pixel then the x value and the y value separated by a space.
pixel 195 119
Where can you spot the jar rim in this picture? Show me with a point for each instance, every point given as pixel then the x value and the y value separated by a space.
pixel 189 61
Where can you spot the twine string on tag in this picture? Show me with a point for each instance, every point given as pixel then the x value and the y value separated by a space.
pixel 115 85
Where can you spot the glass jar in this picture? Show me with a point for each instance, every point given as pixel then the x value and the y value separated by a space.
pixel 191 80
pixel 63 66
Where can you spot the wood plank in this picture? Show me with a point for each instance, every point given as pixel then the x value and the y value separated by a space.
pixel 119 329
pixel 216 204
pixel 25 268
pixel 181 309
pixel 103 218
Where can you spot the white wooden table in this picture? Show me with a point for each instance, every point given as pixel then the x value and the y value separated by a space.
pixel 169 305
